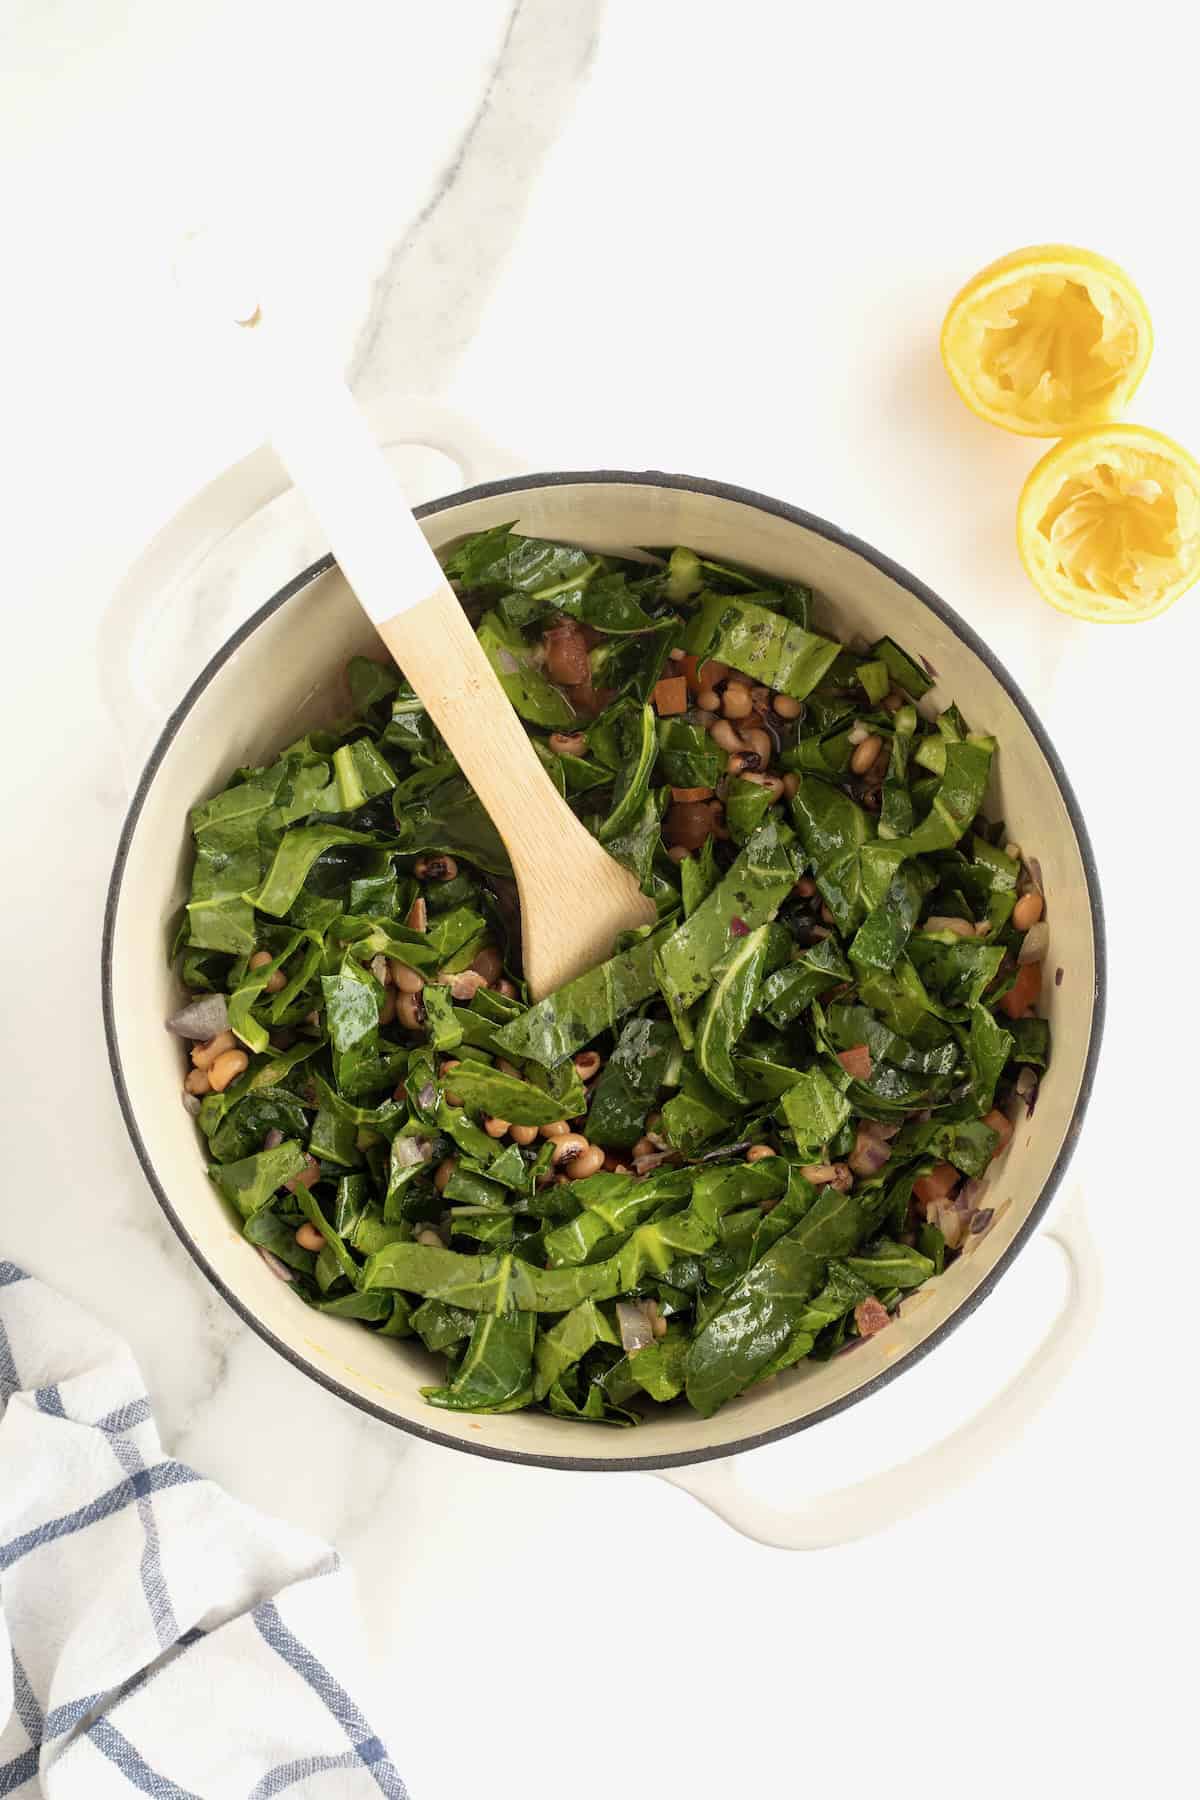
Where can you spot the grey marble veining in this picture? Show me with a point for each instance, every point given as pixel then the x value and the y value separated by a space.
pixel 427 300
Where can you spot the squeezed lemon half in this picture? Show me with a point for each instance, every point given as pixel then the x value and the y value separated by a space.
pixel 1108 524
pixel 1047 340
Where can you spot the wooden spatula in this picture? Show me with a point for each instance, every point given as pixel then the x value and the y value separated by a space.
pixel 574 897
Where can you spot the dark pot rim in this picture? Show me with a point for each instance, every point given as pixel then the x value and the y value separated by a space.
pixel 516 486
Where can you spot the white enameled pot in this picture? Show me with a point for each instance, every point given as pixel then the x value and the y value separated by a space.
pixel 281 673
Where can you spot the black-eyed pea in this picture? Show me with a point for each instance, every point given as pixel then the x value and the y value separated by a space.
pixel 226 1068
pixel 204 1055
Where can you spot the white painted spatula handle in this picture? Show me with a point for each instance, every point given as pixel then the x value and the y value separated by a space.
pixel 326 445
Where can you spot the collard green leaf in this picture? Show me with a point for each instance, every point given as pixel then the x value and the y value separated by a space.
pixel 833 831
pixel 882 937
pixel 298 851
pixel 730 1004
pixel 698 876
pixel 563 1344
pixel 441 1020
pixel 890 1265
pixel 252 1181
pixel 372 684
pixel 629 1082
pixel 688 758
pixel 763 644
pixel 534 695
pixel 439 1326
pixel 791 990
pixel 612 1207
pixel 747 804
pixel 956 971
pixel 267 1230
pixel 449 818
pixel 750 895
pixel 903 669
pixel 572 1016
pixel 487 1091
pixel 843 1291
pixel 359 774
pixel 989 1048
pixel 634 846
pixel 496 1374
pixel 815 1110
pixel 504 559
pixel 957 800
pixel 1031 1042
pixel 660 1368
pixel 242 1129
pixel 638 749
pixel 760 1313
pixel 697 1113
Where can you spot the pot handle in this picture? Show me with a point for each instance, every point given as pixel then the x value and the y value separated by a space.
pixel 871 1506
pixel 172 561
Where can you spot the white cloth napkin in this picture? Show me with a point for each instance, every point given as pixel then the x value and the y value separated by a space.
pixel 156 1637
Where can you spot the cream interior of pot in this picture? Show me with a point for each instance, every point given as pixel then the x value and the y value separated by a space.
pixel 287 676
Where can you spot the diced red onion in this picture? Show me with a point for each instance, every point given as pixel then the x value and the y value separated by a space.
pixel 949 1221
pixel 1035 873
pixel 426 1096
pixel 869 1154
pixel 967 1197
pixel 738 927
pixel 636 1324
pixel 982 1220
pixel 643 1164
pixel 272 1140
pixel 202 1018
pixel 1058 977
pixel 409 1150
pixel 1027 1089
pixel 273 1263
pixel 191 1103
pixel 1035 944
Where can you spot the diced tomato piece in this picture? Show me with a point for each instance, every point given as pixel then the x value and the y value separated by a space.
pixel 940 1181
pixel 670 695
pixel 870 1316
pixel 1001 1124
pixel 856 1061
pixel 1025 991
pixel 687 796
pixel 690 673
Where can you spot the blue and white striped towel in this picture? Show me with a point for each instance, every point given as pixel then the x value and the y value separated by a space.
pixel 156 1637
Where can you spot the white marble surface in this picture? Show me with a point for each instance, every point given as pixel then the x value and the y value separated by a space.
pixel 672 235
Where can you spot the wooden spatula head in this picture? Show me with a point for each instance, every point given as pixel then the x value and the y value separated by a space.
pixel 574 897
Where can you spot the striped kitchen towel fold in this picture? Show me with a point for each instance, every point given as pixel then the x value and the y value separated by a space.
pixel 156 1636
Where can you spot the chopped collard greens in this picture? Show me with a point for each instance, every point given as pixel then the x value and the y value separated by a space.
pixel 738 1143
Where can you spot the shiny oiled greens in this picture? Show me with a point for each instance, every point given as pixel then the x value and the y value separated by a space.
pixel 788 1076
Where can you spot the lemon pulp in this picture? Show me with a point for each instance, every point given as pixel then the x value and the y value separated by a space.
pixel 1109 524
pixel 1047 340
pixel 1052 348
